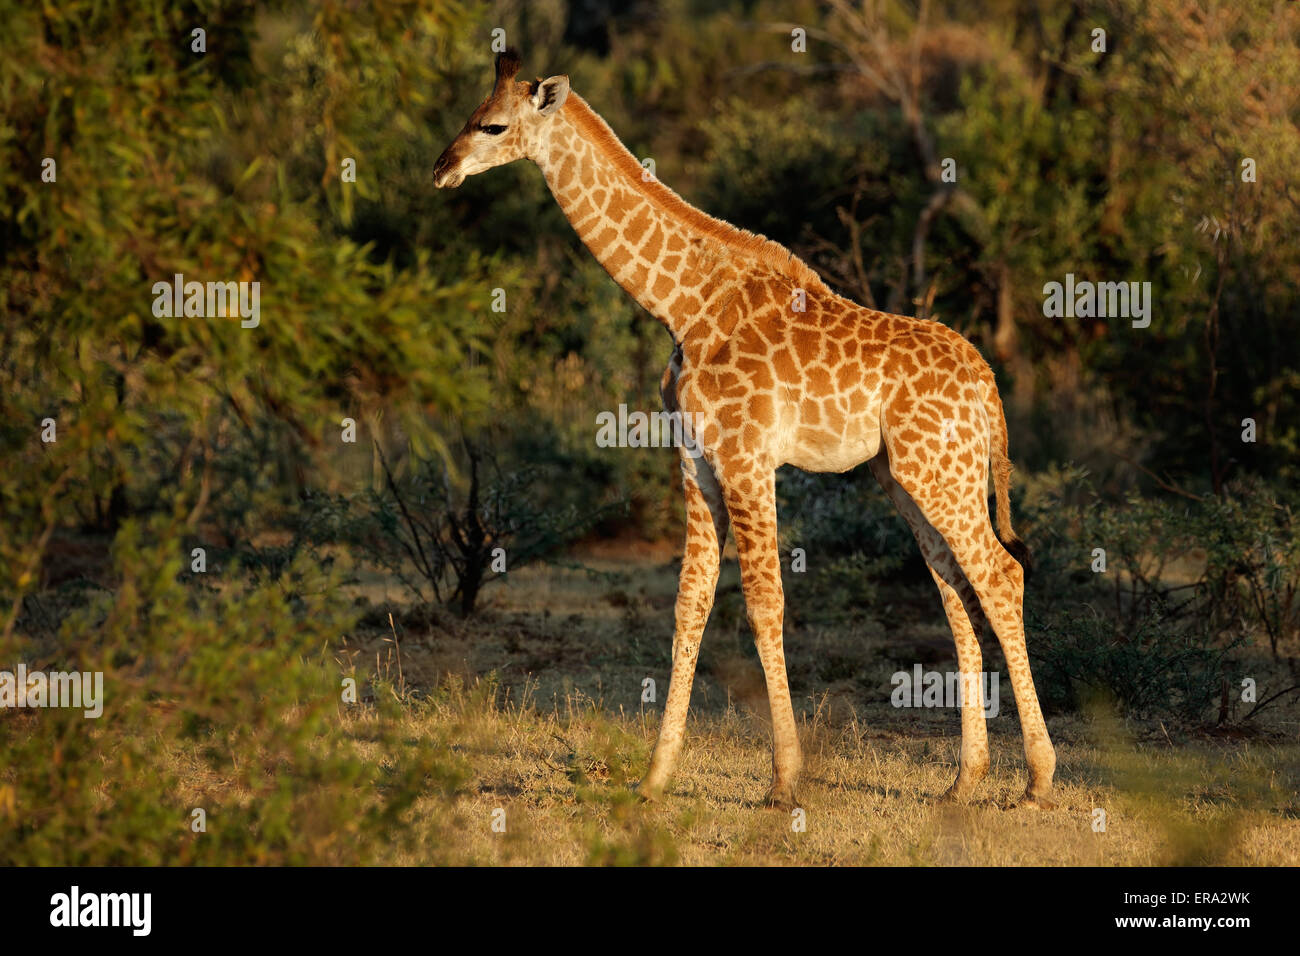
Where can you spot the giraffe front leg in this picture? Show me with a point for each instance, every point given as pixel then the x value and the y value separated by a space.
pixel 706 531
pixel 751 503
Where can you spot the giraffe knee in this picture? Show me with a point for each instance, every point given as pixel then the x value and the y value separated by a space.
pixel 704 570
pixel 760 581
pixel 960 602
pixel 695 593
pixel 766 617
pixel 765 609
pixel 702 557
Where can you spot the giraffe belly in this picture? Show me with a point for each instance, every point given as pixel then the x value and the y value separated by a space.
pixel 818 448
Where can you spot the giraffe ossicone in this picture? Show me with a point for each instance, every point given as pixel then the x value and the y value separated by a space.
pixel 775 368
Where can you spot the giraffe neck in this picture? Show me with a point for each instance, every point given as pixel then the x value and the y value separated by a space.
pixel 668 255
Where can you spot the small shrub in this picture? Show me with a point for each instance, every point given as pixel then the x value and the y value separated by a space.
pixel 852 539
pixel 1158 669
pixel 441 538
pixel 1186 583
pixel 225 698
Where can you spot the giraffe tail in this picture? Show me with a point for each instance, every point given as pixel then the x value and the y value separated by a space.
pixel 1001 464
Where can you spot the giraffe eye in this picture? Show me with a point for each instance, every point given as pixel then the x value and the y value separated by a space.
pixel 493 130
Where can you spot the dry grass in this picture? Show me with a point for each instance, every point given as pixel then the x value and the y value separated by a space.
pixel 540 708
pixel 563 780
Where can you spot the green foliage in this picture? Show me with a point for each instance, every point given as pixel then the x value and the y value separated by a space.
pixel 445 539
pixel 1128 165
pixel 229 683
pixel 852 540
pixel 176 432
pixel 1185 584
pixel 162 170
pixel 182 431
pixel 778 171
pixel 1158 668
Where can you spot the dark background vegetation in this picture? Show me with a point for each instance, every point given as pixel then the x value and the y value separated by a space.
pixel 476 428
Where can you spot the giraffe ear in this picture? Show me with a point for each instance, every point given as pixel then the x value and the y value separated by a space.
pixel 551 94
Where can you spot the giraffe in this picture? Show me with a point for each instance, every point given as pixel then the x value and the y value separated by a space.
pixel 771 367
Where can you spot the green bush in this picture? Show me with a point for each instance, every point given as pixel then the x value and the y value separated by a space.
pixel 1158 668
pixel 221 695
pixel 852 539
pixel 1186 583
pixel 438 531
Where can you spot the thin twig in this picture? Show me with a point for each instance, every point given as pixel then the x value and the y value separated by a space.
pixel 1254 710
pixel 1172 489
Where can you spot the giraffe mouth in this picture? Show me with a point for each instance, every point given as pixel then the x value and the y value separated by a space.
pixel 447 173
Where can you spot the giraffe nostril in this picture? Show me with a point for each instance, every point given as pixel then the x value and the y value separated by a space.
pixel 441 172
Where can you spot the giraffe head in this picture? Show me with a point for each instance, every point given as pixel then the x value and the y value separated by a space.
pixel 506 126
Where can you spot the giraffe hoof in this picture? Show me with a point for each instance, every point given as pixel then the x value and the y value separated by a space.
pixel 968 780
pixel 783 799
pixel 649 794
pixel 956 794
pixel 1031 802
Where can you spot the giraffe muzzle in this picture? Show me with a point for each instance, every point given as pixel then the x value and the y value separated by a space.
pixel 444 176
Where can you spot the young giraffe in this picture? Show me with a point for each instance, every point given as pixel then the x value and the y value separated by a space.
pixel 774 368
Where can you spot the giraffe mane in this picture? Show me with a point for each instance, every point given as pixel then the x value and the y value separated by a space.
pixel 750 245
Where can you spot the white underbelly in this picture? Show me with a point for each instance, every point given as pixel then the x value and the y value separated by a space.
pixel 849 454
pixel 819 448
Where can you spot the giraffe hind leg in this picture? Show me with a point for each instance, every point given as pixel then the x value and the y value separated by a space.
pixel 957 507
pixel 964 618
